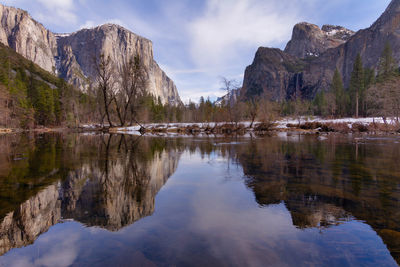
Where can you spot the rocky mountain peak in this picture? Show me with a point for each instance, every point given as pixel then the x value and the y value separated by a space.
pixel 337 32
pixel 316 54
pixel 308 40
pixel 27 37
pixel 70 55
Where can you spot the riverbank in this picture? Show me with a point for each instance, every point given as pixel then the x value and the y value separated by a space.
pixel 345 125
pixel 303 125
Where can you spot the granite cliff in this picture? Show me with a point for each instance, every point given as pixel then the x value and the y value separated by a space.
pixel 71 55
pixel 307 65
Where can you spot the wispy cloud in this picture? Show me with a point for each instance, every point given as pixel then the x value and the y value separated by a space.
pixel 61 11
pixel 52 12
pixel 196 41
pixel 227 27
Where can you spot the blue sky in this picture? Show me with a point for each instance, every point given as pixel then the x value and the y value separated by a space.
pixel 198 41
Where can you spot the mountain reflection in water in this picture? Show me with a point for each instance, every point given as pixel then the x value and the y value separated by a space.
pixel 334 187
pixel 106 181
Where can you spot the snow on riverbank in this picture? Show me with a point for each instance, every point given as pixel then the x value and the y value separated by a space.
pixel 175 126
pixel 279 124
pixel 282 124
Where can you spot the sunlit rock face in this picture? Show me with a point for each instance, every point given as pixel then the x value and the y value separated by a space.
pixel 27 37
pixel 77 51
pixel 71 56
pixel 34 217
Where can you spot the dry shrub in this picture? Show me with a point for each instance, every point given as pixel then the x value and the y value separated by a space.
pixel 225 129
pixel 335 127
pixel 209 129
pixel 359 127
pixel 263 127
pixel 310 125
pixel 158 130
pixel 382 127
pixel 193 129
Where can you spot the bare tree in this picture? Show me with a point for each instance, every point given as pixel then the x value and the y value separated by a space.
pixel 268 110
pixel 106 80
pixel 133 82
pixel 253 106
pixel 230 87
pixel 384 99
pixel 301 108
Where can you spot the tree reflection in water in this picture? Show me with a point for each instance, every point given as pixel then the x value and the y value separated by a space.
pixel 107 181
pixel 111 181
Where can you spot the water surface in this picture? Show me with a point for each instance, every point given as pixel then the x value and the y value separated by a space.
pixel 101 200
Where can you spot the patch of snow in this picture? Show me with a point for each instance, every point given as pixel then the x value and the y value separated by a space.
pixel 282 124
pixel 332 32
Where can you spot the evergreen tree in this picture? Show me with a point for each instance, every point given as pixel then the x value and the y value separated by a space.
pixel 387 64
pixel 369 79
pixel 357 83
pixel 319 104
pixel 5 71
pixel 337 89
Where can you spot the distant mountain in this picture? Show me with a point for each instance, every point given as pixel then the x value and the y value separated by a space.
pixel 233 96
pixel 307 65
pixel 71 55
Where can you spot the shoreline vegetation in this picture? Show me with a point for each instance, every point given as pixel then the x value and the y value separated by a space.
pixel 303 125
pixel 34 100
pixel 307 126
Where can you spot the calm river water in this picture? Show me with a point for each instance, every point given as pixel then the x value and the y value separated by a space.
pixel 117 200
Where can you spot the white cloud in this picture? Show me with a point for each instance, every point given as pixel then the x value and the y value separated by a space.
pixel 194 94
pixel 51 12
pixel 65 4
pixel 88 24
pixel 229 26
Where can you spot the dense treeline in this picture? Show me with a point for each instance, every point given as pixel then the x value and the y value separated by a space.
pixel 370 92
pixel 31 97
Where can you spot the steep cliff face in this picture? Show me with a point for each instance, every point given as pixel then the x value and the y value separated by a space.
pixel 308 40
pixel 369 43
pixel 76 53
pixel 315 73
pixel 27 37
pixel 274 72
pixel 71 55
